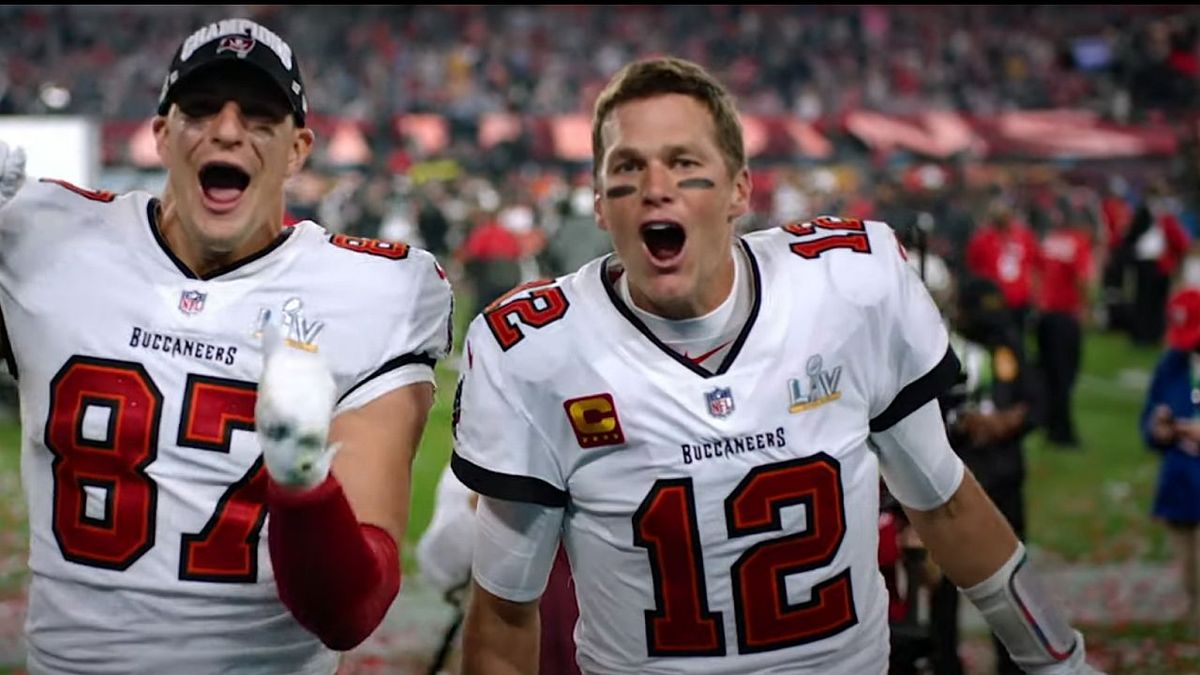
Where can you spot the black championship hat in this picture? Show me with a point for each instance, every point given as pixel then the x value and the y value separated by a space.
pixel 237 40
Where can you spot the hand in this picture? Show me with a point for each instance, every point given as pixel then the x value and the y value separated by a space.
pixel 979 427
pixel 12 171
pixel 296 395
pixel 1188 435
pixel 1162 425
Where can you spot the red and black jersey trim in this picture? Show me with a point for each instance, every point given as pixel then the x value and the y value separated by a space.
pixel 756 280
pixel 152 218
pixel 919 392
pixel 392 364
pixel 506 486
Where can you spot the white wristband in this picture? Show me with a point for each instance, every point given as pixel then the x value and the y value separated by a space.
pixel 1024 617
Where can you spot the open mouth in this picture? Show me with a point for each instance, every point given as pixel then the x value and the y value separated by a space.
pixel 223 184
pixel 664 239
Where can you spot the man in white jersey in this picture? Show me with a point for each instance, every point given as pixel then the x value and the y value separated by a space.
pixel 702 420
pixel 186 510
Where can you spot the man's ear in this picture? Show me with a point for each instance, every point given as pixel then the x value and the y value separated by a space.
pixel 159 127
pixel 302 145
pixel 598 209
pixel 739 205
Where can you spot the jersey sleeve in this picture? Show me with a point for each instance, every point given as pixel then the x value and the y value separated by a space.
pixel 418 336
pixel 31 221
pixel 498 450
pixel 39 223
pixel 913 361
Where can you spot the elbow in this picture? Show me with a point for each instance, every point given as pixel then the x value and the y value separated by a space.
pixel 345 632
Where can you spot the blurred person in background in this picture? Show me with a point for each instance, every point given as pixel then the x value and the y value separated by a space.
pixel 444 555
pixel 911 576
pixel 195 389
pixel 432 223
pixel 1115 216
pixel 491 258
pixel 520 219
pixel 987 413
pixel 1157 244
pixel 1064 281
pixel 1170 425
pixel 1005 251
pixel 578 240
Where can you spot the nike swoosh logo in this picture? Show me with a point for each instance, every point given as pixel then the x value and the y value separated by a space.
pixel 700 359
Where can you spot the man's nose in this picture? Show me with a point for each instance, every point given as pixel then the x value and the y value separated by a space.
pixel 228 125
pixel 657 185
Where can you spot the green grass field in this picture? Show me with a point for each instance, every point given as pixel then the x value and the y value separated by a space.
pixel 1086 507
pixel 1093 505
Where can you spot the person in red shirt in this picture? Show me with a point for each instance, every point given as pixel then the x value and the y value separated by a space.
pixel 491 258
pixel 1005 251
pixel 1116 215
pixel 1064 276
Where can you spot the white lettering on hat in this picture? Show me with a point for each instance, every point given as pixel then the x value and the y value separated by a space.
pixel 237 27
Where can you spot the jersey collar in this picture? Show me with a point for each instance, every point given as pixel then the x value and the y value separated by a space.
pixel 610 271
pixel 152 219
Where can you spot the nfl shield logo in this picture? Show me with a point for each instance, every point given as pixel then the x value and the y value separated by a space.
pixel 191 302
pixel 720 401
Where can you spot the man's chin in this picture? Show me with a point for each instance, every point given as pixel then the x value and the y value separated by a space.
pixel 667 294
pixel 221 234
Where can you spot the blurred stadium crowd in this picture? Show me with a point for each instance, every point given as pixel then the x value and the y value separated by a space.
pixel 503 215
pixel 1125 61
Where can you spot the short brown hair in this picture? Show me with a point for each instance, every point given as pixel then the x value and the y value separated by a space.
pixel 671 75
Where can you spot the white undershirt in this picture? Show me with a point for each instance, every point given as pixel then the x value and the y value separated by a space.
pixel 711 335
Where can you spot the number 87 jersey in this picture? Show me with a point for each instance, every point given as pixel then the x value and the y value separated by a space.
pixel 144 477
pixel 716 521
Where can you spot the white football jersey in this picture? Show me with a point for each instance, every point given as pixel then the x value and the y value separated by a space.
pixel 144 479
pixel 716 522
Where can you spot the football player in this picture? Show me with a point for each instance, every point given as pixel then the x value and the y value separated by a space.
pixel 187 367
pixel 702 419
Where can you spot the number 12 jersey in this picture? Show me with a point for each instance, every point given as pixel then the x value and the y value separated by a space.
pixel 716 522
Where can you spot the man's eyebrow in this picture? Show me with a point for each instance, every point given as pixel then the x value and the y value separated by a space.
pixel 624 153
pixel 674 150
pixel 667 151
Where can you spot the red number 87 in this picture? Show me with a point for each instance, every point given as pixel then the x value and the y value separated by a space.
pixel 105 503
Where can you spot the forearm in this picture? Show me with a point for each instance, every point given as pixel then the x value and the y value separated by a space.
pixel 337 576
pixel 500 637
pixel 977 549
pixel 967 536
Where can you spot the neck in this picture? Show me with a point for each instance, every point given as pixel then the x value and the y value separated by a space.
pixel 202 255
pixel 709 293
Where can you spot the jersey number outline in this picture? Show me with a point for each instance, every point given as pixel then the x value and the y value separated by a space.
pixel 392 250
pixel 544 305
pixel 681 623
pixel 852 234
pixel 225 549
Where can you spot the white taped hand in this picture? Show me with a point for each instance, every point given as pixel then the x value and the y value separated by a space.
pixel 12 171
pixel 296 395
